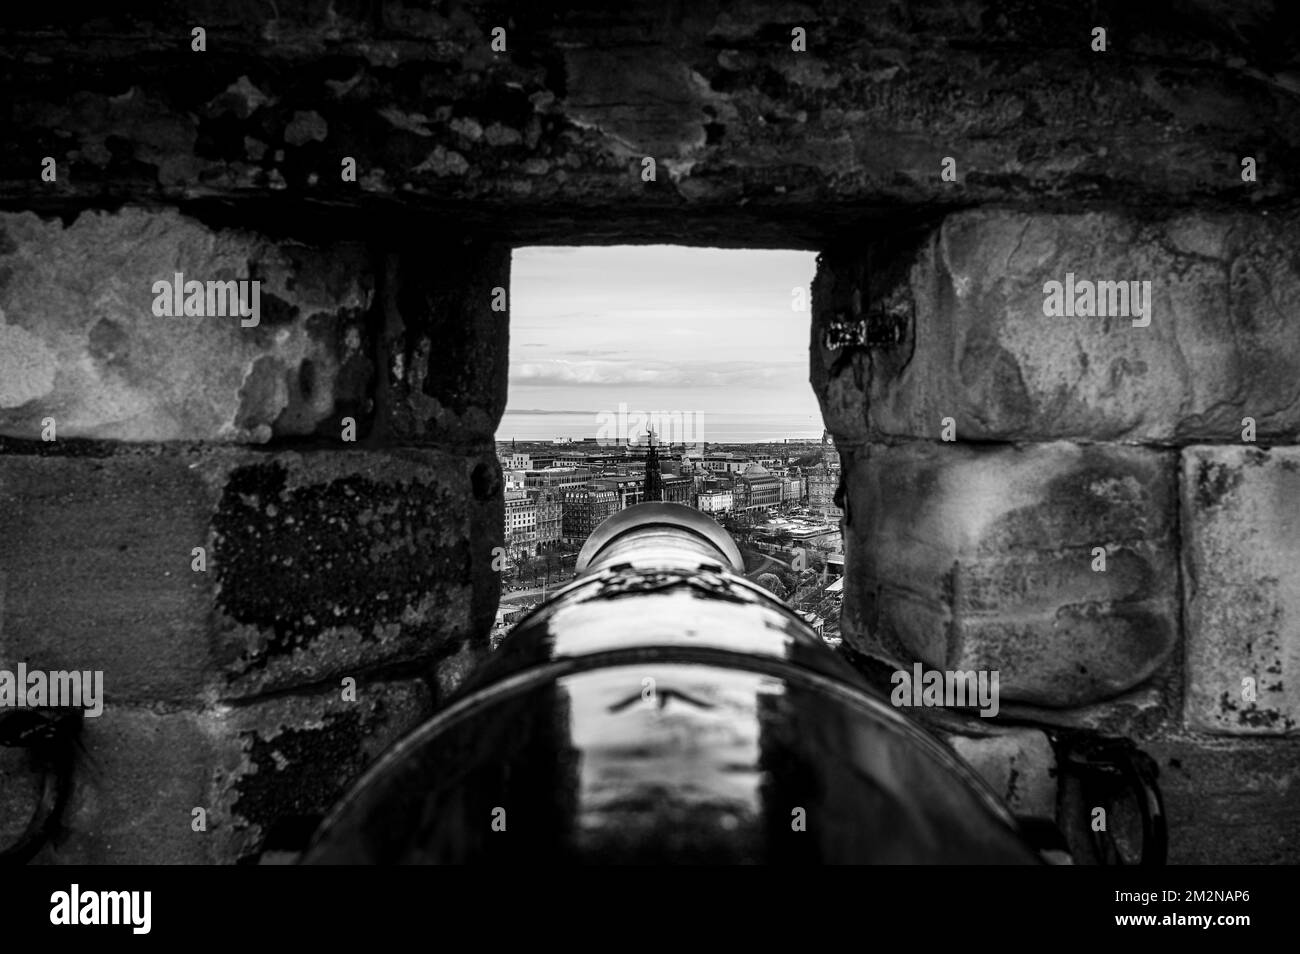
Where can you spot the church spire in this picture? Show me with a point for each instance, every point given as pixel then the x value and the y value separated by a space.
pixel 654 488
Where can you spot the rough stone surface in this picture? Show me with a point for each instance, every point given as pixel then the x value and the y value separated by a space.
pixel 981 558
pixel 1150 710
pixel 1232 802
pixel 862 119
pixel 1020 766
pixel 95 559
pixel 80 343
pixel 1241 520
pixel 297 755
pixel 20 793
pixel 445 346
pixel 318 565
pixel 330 562
pixel 252 768
pixel 139 776
pixel 956 328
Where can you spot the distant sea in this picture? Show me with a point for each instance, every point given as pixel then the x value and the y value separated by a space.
pixel 721 426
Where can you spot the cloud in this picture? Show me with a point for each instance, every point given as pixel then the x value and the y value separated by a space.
pixel 536 410
pixel 721 374
pixel 659 325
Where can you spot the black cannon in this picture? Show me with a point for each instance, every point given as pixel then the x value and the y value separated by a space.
pixel 661 708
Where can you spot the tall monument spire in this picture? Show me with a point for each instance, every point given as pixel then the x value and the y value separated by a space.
pixel 654 487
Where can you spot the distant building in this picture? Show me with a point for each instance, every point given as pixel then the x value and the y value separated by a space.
pixel 822 484
pixel 830 456
pixel 714 501
pixel 521 524
pixel 725 463
pixel 557 478
pixel 792 489
pixel 549 503
pixel 584 510
pixel 594 461
pixel 514 614
pixel 629 490
pixel 756 488
pixel 677 490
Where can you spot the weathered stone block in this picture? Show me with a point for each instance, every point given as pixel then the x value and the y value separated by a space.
pixel 317 564
pixel 982 558
pixel 972 341
pixel 446 343
pixel 437 118
pixel 142 773
pixel 95 557
pixel 1241 553
pixel 1151 709
pixel 138 778
pixel 327 562
pixel 80 341
pixel 20 792
pixel 1019 764
pixel 1230 803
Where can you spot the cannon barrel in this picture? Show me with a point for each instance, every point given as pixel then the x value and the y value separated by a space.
pixel 661 708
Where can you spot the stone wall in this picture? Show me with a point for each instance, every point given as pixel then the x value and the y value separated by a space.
pixel 230 522
pixel 335 461
pixel 1105 511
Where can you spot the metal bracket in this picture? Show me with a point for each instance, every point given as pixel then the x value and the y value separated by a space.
pixel 1108 770
pixel 50 735
pixel 882 328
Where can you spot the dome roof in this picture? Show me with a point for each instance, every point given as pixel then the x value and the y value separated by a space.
pixel 755 470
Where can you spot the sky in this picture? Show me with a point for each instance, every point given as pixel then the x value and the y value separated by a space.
pixel 660 328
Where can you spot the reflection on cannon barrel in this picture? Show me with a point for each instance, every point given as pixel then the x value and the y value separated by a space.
pixel 660 708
